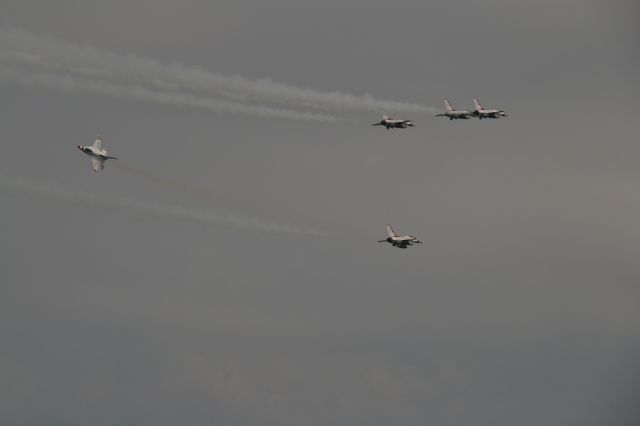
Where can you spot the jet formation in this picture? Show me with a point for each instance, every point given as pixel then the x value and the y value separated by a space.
pixel 479 112
pixel 100 155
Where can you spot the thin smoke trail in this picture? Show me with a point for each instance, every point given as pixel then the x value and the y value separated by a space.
pixel 196 192
pixel 203 194
pixel 32 53
pixel 70 84
pixel 152 209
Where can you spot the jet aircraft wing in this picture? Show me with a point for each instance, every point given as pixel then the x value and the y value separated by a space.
pixel 97 145
pixel 97 165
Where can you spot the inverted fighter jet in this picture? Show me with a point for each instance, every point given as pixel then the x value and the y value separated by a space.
pixel 97 154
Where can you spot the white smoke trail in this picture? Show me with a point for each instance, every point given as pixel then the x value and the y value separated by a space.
pixel 59 193
pixel 71 84
pixel 31 53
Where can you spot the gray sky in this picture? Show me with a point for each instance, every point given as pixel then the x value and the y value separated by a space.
pixel 225 271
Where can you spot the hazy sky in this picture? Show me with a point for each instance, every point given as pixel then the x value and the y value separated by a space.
pixel 226 272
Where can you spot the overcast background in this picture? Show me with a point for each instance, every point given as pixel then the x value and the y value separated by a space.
pixel 226 271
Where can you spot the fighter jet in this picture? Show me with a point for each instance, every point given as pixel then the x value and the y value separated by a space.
pixel 391 123
pixel 481 112
pixel 397 241
pixel 452 113
pixel 97 153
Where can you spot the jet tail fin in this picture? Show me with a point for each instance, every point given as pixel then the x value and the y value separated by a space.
pixel 448 105
pixel 106 153
pixel 390 232
pixel 476 103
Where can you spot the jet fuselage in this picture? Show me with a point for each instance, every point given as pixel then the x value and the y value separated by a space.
pixel 456 115
pixel 391 123
pixel 90 151
pixel 489 113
